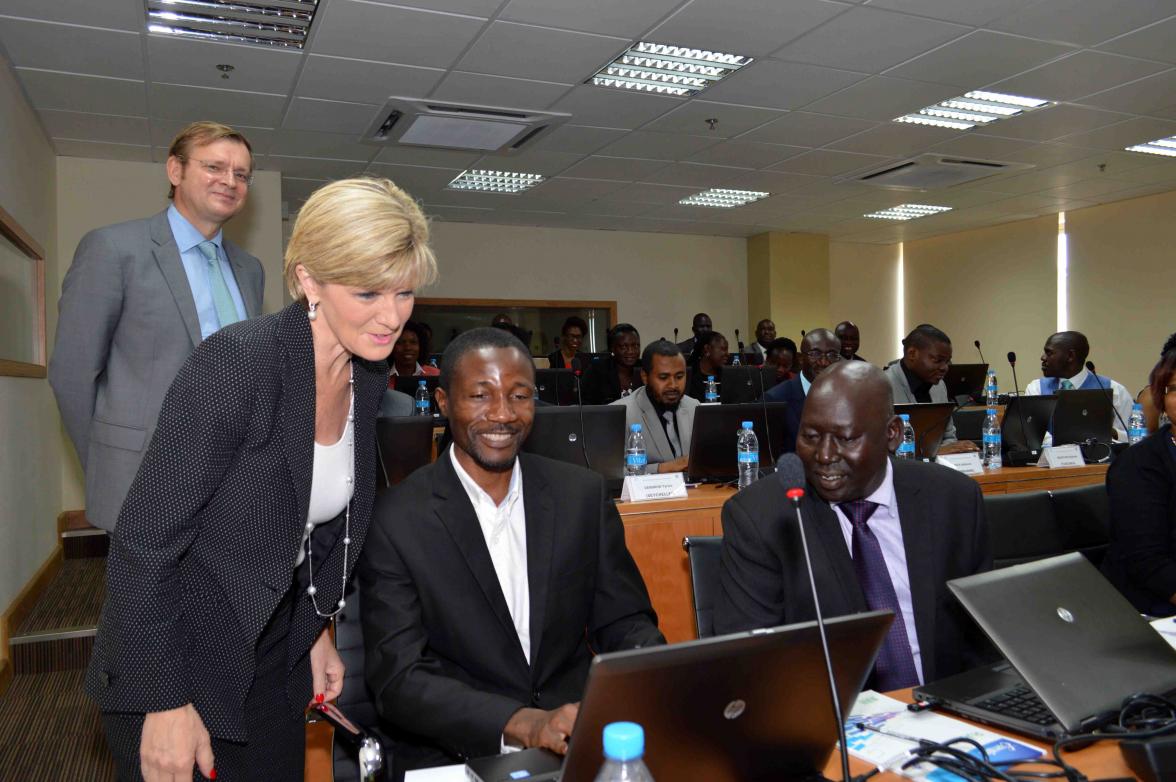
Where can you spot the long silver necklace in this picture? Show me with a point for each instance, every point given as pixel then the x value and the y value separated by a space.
pixel 312 590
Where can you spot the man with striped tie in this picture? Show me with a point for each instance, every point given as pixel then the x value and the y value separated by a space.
pixel 138 297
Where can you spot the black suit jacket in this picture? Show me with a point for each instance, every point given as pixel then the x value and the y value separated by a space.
pixel 443 659
pixel 763 580
pixel 602 384
pixel 792 392
pixel 205 545
pixel 1141 560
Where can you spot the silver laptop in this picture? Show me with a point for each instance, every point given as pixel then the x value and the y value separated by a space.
pixel 1075 649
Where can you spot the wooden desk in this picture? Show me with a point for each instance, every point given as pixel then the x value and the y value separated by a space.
pixel 654 532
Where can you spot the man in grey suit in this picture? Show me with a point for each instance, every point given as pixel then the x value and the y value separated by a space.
pixel 662 408
pixel 138 297
pixel 918 377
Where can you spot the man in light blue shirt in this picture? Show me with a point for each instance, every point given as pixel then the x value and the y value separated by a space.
pixel 201 275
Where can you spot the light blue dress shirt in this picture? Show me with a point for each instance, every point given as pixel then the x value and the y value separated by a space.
pixel 196 269
pixel 805 385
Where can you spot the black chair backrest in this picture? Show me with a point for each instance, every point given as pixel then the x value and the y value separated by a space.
pixel 1023 528
pixel 1086 512
pixel 405 443
pixel 703 553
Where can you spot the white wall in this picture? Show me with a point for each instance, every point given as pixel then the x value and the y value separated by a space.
pixel 862 288
pixel 659 281
pixel 30 443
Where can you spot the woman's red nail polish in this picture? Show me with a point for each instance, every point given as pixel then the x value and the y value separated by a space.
pixel 319 698
pixel 212 774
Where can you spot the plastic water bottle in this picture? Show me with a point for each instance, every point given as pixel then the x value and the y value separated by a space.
pixel 433 364
pixel 1136 428
pixel 991 393
pixel 712 389
pixel 734 359
pixel 906 449
pixel 423 405
pixel 991 434
pixel 747 447
pixel 624 745
pixel 635 459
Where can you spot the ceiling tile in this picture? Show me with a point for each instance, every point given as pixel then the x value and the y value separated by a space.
pixel 826 162
pixel 1054 121
pixel 526 52
pixel 975 12
pixel 499 91
pixel 96 127
pixel 1079 74
pixel 531 161
pixel 455 214
pixel 102 150
pixel 415 179
pixel 577 138
pixel 692 117
pixel 1031 182
pixel 694 175
pixel 1125 134
pixel 372 31
pixel 644 193
pixel 883 98
pixel 780 85
pixel 188 104
pixel 978 145
pixel 807 130
pixel 116 14
pixel 869 40
pixel 569 189
pixel 255 68
pixel 621 169
pixel 1082 22
pixel 1152 95
pixel 315 168
pixel 608 108
pixel 1048 154
pixel 979 58
pixel 483 8
pixel 1154 42
pixel 775 181
pixel 1087 188
pixel 297 189
pixel 53 90
pixel 363 81
pixel 301 143
pixel 425 156
pixel 658 146
pixel 624 18
pixel 749 27
pixel 746 154
pixel 63 47
pixel 894 139
pixel 329 116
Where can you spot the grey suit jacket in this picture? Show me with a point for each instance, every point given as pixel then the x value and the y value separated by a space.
pixel 126 323
pixel 903 396
pixel 396 404
pixel 639 410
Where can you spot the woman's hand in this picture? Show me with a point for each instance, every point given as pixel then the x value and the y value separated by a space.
pixel 172 742
pixel 326 667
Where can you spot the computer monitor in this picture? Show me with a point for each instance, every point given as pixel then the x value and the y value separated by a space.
pixel 712 441
pixel 745 384
pixel 1081 416
pixel 597 443
pixel 556 386
pixel 404 444
pixel 929 420
pixel 966 380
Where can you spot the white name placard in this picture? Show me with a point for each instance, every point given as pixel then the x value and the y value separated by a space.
pixel 1061 456
pixel 660 486
pixel 967 463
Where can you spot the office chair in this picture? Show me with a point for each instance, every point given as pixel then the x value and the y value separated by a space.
pixel 703 553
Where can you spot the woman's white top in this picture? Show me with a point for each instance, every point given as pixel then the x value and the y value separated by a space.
pixel 331 485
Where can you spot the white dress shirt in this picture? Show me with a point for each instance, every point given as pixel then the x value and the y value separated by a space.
pixel 887 529
pixel 1120 396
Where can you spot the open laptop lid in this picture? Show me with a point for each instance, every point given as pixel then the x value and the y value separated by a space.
pixel 1036 412
pixel 1075 640
pixel 712 441
pixel 1081 415
pixel 745 384
pixel 747 706
pixel 966 380
pixel 929 420
pixel 556 433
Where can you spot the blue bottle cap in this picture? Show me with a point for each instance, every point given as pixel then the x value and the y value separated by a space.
pixel 635 427
pixel 710 378
pixel 905 416
pixel 1136 406
pixel 992 411
pixel 623 741
pixel 745 424
pixel 421 383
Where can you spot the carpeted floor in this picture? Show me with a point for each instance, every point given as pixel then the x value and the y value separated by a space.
pixel 73 598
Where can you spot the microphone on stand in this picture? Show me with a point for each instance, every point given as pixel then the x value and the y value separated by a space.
pixel 580 404
pixel 791 472
pixel 1017 456
pixel 1110 395
pixel 978 350
pixel 802 333
pixel 739 345
pixel 675 333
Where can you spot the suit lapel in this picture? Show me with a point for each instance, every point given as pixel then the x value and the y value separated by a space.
pixel 654 431
pixel 297 403
pixel 825 531
pixel 246 282
pixel 167 256
pixel 919 541
pixel 540 513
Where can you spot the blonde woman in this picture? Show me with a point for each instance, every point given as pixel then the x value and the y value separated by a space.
pixel 249 511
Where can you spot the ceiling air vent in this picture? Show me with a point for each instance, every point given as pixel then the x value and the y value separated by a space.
pixel 427 123
pixel 935 172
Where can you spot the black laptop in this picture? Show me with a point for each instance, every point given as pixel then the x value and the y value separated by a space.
pixel 1075 649
pixel 745 384
pixel 929 420
pixel 966 380
pixel 1081 416
pixel 556 386
pixel 597 443
pixel 712 441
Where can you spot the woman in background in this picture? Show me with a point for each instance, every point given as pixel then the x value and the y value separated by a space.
pixel 406 354
pixel 571 338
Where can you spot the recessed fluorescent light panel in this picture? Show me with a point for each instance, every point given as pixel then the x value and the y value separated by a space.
pixel 723 199
pixel 281 23
pixel 973 108
pixel 908 212
pixel 1161 146
pixel 667 70
pixel 482 181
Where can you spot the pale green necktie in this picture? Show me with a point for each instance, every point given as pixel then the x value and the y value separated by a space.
pixel 1066 385
pixel 226 310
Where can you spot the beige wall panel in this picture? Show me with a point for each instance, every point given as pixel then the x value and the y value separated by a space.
pixel 862 288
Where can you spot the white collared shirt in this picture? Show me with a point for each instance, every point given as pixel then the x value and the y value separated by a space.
pixel 505 529
pixel 1120 397
pixel 887 529
pixel 805 384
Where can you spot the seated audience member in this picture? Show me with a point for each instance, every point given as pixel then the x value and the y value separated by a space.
pixel 571 337
pixel 765 334
pixel 781 356
pixel 884 534
pixel 1063 364
pixel 710 356
pixel 918 377
pixel 851 340
pixel 396 403
pixel 819 350
pixel 618 374
pixel 1141 482
pixel 1151 413
pixel 407 351
pixel 662 408
pixel 700 326
pixel 490 577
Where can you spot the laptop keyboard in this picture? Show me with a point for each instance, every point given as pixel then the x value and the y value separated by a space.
pixel 1019 702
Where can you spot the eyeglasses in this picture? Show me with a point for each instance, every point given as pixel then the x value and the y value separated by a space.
pixel 217 171
pixel 829 355
pixel 1169 390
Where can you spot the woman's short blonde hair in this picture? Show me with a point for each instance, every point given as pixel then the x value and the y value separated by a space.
pixel 363 232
